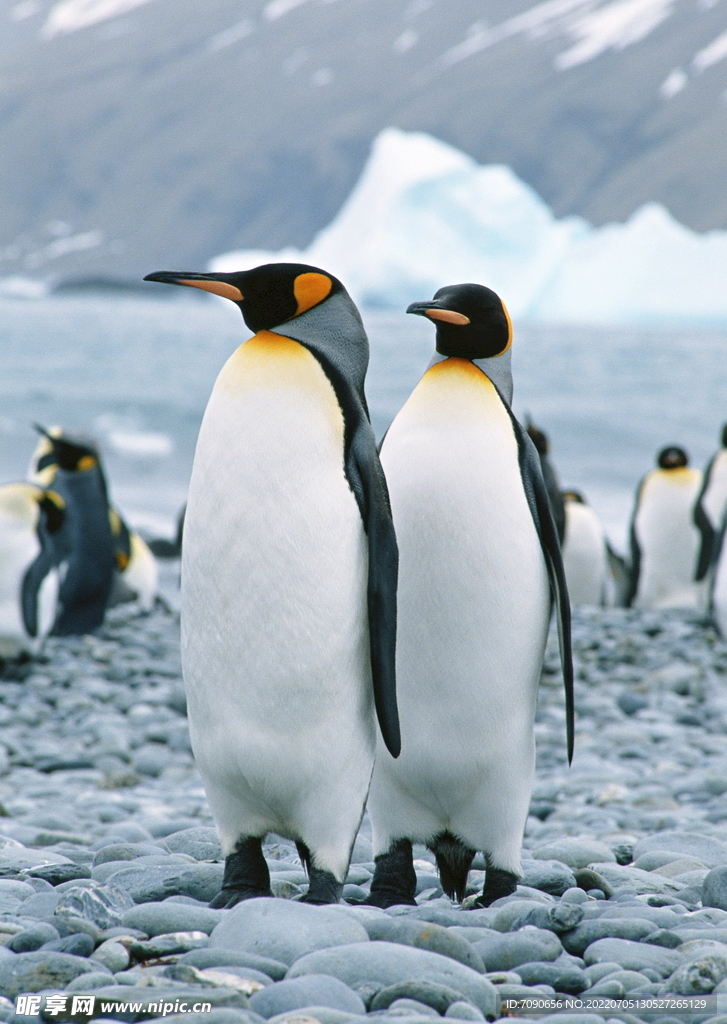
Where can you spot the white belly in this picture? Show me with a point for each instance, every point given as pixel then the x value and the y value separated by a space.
pixel 274 624
pixel 473 617
pixel 669 541
pixel 585 560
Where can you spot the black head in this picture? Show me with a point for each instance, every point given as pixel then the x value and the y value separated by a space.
pixel 72 454
pixel 724 436
pixel 538 437
pixel 472 321
pixel 672 458
pixel 574 496
pixel 267 296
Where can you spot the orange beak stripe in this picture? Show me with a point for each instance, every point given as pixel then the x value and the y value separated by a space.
pixel 449 316
pixel 227 291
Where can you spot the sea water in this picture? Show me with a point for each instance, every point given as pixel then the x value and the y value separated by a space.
pixel 136 373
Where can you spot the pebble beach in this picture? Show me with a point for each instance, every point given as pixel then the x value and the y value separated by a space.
pixel 108 854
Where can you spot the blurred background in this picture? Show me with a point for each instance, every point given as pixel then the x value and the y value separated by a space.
pixel 570 154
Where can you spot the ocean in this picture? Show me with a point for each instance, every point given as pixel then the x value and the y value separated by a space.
pixel 136 372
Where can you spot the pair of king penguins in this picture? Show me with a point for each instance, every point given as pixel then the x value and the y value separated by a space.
pixel 671 537
pixel 290 572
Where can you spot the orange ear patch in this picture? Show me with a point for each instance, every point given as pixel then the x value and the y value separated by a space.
pixel 509 327
pixel 449 316
pixel 86 462
pixel 310 289
pixel 227 291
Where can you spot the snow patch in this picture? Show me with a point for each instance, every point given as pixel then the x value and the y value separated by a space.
pixel 72 15
pixel 424 214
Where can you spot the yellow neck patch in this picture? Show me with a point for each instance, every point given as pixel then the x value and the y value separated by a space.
pixel 85 463
pixel 310 289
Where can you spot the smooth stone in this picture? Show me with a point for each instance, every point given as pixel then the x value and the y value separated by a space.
pixel 551 876
pixel 158 918
pixel 463 1011
pixel 609 987
pixel 594 972
pixel 318 1015
pixel 87 982
pixel 103 905
pixel 436 997
pixel 409 1008
pixel 284 930
pixel 577 940
pixel 681 866
pixel 570 980
pixel 653 859
pixel 623 877
pixel 204 958
pixel 246 979
pixel 14 887
pixel 699 976
pixel 169 992
pixel 125 851
pixel 709 850
pixel 631 980
pixel 424 935
pixel 509 949
pixel 559 917
pixel 33 972
pixel 56 874
pixel 663 937
pixel 113 955
pixel 201 843
pixel 41 905
pixel 389 963
pixel 79 944
pixel 32 938
pixel 574 852
pixel 166 945
pixel 310 990
pixel 633 955
pixel 593 883
pixel 153 883
pixel 524 991
pixel 220 1015
pixel 714 888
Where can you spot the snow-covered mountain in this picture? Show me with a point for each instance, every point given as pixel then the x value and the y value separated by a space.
pixel 424 214
pixel 141 134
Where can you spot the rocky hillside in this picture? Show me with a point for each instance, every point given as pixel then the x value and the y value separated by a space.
pixel 141 134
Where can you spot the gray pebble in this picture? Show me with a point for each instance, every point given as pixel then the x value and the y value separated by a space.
pixel 125 851
pixel 79 944
pixel 203 958
pixel 632 955
pixel 577 940
pixel 32 938
pixel 33 972
pixel 574 852
pixel 504 951
pixel 550 876
pixel 310 990
pixel 425 935
pixel 166 945
pixel 200 843
pixel 103 905
pixel 461 1010
pixel 156 918
pixel 570 980
pixel 155 882
pixel 437 997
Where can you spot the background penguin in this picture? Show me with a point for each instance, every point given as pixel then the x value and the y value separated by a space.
pixel 710 508
pixel 136 574
pixel 718 583
pixel 85 542
pixel 585 553
pixel 289 566
pixel 665 541
pixel 555 496
pixel 30 520
pixel 479 559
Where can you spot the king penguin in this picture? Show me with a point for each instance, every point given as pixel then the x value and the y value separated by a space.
pixel 480 564
pixel 289 572
pixel 585 552
pixel 86 545
pixel 550 478
pixel 30 520
pixel 665 539
pixel 710 508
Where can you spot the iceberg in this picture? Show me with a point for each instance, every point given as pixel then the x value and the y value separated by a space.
pixel 423 214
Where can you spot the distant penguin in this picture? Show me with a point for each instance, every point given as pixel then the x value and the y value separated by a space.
pixel 480 564
pixel 710 508
pixel 136 574
pixel 289 566
pixel 718 582
pixel 585 552
pixel 30 520
pixel 72 466
pixel 161 547
pixel 665 542
pixel 555 496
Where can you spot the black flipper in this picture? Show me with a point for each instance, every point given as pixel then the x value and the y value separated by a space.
pixel 50 523
pixel 540 507
pixel 708 534
pixel 635 550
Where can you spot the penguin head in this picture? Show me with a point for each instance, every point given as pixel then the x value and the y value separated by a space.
pixel 267 296
pixel 60 451
pixel 724 436
pixel 672 458
pixel 538 437
pixel 472 321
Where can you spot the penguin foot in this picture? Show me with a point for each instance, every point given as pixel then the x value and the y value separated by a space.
pixel 395 880
pixel 498 883
pixel 323 887
pixel 246 874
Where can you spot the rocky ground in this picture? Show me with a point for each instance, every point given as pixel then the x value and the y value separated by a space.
pixel 108 855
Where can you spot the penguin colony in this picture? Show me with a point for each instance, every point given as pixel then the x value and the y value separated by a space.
pixel 66 554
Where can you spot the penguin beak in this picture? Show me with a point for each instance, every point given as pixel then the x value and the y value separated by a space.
pixel 218 284
pixel 434 311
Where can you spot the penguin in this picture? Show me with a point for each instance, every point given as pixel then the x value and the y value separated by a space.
pixel 557 505
pixel 86 542
pixel 585 552
pixel 665 541
pixel 710 508
pixel 161 547
pixel 289 574
pixel 480 567
pixel 718 581
pixel 136 573
pixel 30 520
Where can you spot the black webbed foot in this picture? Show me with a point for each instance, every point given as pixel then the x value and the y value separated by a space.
pixel 498 883
pixel 323 887
pixel 246 875
pixel 395 879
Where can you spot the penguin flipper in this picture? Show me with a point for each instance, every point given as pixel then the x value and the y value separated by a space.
pixel 540 508
pixel 382 584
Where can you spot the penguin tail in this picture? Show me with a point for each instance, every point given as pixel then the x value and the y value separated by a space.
pixel 454 859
